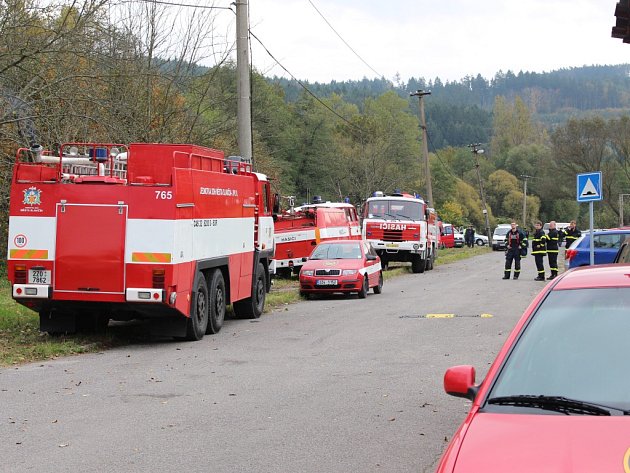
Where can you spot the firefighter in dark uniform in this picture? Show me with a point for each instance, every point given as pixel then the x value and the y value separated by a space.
pixel 570 234
pixel 515 241
pixel 552 238
pixel 539 250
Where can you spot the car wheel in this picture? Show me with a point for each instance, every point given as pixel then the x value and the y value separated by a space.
pixel 364 289
pixel 479 242
pixel 378 289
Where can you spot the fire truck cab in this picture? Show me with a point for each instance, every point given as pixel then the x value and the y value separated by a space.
pixel 167 232
pixel 401 227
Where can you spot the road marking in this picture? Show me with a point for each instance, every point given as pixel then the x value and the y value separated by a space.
pixel 446 316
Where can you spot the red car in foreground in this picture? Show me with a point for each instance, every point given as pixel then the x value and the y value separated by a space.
pixel 342 266
pixel 557 397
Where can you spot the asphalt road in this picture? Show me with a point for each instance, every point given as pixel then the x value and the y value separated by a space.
pixel 331 385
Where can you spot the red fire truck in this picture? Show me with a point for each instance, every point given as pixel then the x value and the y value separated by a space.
pixel 298 230
pixel 162 231
pixel 401 227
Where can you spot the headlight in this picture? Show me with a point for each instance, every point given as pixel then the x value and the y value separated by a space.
pixel 307 272
pixel 349 272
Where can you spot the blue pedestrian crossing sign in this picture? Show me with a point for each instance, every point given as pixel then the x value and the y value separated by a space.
pixel 589 187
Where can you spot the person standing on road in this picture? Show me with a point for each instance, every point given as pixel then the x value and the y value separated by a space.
pixel 570 234
pixel 539 250
pixel 551 239
pixel 515 240
pixel 469 236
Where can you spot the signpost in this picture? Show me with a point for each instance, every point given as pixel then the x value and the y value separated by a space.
pixel 589 189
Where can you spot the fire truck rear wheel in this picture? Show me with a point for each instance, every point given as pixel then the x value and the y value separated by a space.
pixel 418 264
pixel 216 309
pixel 252 307
pixel 364 289
pixel 198 321
pixel 379 288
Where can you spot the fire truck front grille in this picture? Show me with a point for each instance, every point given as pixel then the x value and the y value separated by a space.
pixel 327 272
pixel 392 235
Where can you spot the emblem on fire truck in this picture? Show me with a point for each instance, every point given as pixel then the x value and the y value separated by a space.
pixel 32 196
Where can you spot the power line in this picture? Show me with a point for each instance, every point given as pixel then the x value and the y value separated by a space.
pixel 304 86
pixel 344 41
pixel 174 4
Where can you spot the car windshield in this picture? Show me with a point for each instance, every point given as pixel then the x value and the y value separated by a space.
pixel 395 210
pixel 500 231
pixel 337 251
pixel 576 347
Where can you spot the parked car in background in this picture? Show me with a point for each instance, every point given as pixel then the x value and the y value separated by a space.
pixel 447 235
pixel 480 240
pixel 556 396
pixel 498 237
pixel 559 226
pixel 342 266
pixel 606 244
pixel 459 239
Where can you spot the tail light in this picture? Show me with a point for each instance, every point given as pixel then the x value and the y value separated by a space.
pixel 19 274
pixel 570 254
pixel 159 276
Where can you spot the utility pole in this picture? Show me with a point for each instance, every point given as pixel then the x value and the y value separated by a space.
pixel 525 177
pixel 243 86
pixel 425 147
pixel 621 196
pixel 476 152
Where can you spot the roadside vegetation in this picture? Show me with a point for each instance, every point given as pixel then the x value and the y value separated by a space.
pixel 22 342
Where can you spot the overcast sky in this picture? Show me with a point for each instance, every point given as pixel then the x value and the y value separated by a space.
pixel 431 38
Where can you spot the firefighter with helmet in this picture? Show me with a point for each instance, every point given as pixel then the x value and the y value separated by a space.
pixel 539 250
pixel 515 243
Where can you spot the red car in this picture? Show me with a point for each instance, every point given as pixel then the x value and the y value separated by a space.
pixel 557 397
pixel 342 266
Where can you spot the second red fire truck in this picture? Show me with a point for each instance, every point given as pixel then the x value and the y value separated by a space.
pixel 172 233
pixel 299 229
pixel 401 227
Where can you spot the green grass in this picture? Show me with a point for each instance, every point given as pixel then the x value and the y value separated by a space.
pixel 22 342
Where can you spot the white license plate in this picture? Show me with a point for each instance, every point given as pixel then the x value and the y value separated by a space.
pixel 38 276
pixel 326 282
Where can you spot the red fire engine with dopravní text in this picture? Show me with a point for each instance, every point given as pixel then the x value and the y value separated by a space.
pixel 299 229
pixel 401 227
pixel 169 232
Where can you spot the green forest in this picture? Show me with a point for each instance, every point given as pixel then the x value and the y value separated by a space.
pixel 103 71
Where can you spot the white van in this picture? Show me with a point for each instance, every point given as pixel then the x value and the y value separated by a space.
pixel 498 237
pixel 559 226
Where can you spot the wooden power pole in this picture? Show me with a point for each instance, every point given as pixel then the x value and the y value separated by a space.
pixel 425 148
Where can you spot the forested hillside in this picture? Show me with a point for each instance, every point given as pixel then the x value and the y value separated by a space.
pixel 459 112
pixel 111 72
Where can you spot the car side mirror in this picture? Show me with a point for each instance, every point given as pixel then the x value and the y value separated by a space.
pixel 304 259
pixel 459 381
pixel 370 257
